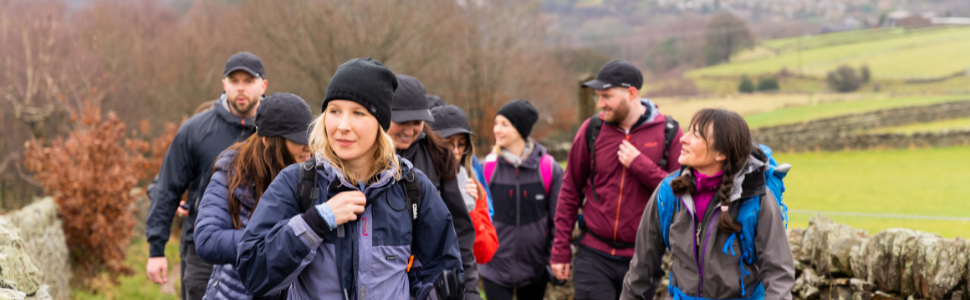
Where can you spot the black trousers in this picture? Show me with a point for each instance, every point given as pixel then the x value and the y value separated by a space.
pixel 596 276
pixel 195 272
pixel 494 291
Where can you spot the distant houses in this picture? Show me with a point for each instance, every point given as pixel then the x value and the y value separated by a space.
pixel 906 19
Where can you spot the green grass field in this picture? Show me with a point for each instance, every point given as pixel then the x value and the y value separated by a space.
pixel 137 286
pixel 832 109
pixel 911 182
pixel 889 54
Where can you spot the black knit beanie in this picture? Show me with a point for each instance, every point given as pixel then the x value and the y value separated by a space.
pixel 521 114
pixel 365 81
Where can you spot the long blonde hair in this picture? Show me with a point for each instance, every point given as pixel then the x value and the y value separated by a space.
pixel 384 158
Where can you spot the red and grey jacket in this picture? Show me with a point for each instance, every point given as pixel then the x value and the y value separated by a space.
pixel 622 192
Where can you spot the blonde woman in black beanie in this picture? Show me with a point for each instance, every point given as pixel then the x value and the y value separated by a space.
pixel 524 181
pixel 359 238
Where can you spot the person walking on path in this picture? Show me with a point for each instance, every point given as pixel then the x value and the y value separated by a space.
pixel 188 164
pixel 618 158
pixel 525 182
pixel 716 216
pixel 357 221
pixel 415 141
pixel 451 123
pixel 240 177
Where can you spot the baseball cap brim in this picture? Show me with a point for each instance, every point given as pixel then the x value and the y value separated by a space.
pixel 448 132
pixel 299 137
pixel 244 69
pixel 401 116
pixel 598 85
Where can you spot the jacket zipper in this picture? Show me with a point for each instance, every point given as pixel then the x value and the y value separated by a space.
pixel 619 201
pixel 518 217
pixel 701 261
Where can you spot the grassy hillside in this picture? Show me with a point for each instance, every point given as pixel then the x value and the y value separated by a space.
pixel 910 182
pixel 890 54
pixel 833 109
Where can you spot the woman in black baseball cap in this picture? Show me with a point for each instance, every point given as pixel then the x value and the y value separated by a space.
pixel 241 175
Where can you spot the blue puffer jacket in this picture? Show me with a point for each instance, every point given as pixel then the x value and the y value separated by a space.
pixel 215 238
pixel 283 247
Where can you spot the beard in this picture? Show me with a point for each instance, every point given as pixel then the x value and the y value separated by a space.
pixel 619 113
pixel 243 109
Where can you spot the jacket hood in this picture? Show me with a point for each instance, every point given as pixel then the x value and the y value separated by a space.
pixel 751 177
pixel 535 155
pixel 245 194
pixel 652 109
pixel 221 109
pixel 336 178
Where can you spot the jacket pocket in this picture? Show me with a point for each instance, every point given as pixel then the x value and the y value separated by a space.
pixel 385 276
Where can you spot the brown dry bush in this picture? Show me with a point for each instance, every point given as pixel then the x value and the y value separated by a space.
pixel 90 175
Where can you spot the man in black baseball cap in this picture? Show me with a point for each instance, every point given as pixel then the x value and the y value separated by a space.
pixel 629 142
pixel 188 163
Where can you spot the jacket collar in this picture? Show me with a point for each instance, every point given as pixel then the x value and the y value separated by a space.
pixel 222 110
pixel 336 178
pixel 533 151
pixel 647 117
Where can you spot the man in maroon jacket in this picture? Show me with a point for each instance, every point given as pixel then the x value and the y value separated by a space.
pixel 629 164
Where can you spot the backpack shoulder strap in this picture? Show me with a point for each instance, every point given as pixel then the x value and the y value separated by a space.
pixel 667 204
pixel 412 193
pixel 307 189
pixel 545 171
pixel 489 167
pixel 670 131
pixel 593 131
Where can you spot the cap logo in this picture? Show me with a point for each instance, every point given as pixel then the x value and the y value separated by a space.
pixel 607 85
pixel 625 84
pixel 373 109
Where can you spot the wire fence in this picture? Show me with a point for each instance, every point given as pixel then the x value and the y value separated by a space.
pixel 878 215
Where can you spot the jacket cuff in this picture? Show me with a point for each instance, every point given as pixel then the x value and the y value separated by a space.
pixel 316 222
pixel 156 249
pixel 561 257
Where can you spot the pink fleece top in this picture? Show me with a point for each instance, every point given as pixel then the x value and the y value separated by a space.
pixel 706 188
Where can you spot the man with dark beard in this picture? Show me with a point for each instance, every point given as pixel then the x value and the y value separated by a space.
pixel 632 151
pixel 188 163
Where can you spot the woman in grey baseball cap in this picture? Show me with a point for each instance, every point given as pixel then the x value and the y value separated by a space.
pixel 241 175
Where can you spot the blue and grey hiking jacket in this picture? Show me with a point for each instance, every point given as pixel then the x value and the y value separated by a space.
pixel 283 247
pixel 215 237
pixel 709 263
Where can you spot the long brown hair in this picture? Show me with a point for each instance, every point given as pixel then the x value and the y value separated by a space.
pixel 257 165
pixel 440 151
pixel 730 136
pixel 466 158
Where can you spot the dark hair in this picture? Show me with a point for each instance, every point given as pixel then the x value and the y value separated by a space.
pixel 257 165
pixel 444 161
pixel 731 137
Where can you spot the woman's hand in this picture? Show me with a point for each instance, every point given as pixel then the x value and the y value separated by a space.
pixel 346 206
pixel 472 189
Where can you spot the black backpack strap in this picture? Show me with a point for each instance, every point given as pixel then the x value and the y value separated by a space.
pixel 307 188
pixel 412 199
pixel 593 131
pixel 670 131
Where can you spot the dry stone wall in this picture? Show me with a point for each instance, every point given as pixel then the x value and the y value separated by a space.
pixel 841 133
pixel 34 259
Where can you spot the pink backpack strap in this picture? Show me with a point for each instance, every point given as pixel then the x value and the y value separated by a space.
pixel 489 168
pixel 545 171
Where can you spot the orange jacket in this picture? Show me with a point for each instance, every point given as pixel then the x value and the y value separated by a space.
pixel 486 240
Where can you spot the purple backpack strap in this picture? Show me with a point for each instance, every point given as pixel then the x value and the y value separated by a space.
pixel 488 168
pixel 545 171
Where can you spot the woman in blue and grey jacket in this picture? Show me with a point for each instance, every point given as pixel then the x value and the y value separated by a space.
pixel 246 169
pixel 357 239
